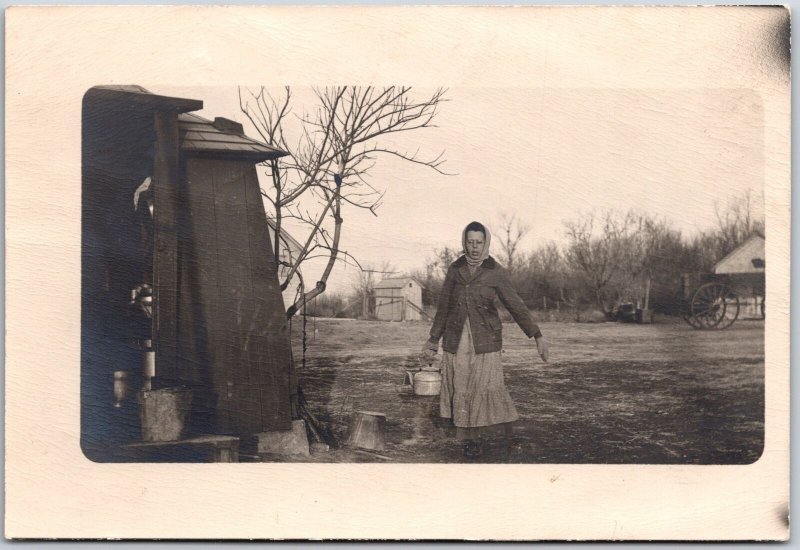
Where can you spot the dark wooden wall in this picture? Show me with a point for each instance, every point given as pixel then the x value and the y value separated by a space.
pixel 232 330
pixel 117 154
pixel 221 325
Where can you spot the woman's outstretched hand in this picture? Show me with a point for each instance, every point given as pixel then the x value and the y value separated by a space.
pixel 429 351
pixel 541 347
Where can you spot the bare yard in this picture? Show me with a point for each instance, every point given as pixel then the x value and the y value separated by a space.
pixel 612 393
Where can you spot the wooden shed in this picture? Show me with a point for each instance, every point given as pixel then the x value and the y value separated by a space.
pixel 399 299
pixel 203 245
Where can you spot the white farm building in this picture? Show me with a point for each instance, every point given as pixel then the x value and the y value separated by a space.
pixel 748 257
pixel 398 299
pixel 746 269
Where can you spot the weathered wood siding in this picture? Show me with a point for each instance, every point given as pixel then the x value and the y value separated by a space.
pixel 233 333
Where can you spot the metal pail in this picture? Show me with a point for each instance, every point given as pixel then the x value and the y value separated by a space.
pixel 164 413
pixel 427 382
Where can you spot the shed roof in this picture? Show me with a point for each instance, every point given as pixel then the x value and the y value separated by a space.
pixel 221 137
pixel 740 260
pixel 136 96
pixel 200 136
pixel 290 241
pixel 398 282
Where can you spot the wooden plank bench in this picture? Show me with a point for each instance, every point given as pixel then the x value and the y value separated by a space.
pixel 218 448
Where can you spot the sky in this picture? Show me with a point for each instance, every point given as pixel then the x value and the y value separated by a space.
pixel 545 155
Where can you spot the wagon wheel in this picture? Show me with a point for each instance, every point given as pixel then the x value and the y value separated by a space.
pixel 706 308
pixel 732 309
pixel 714 306
pixel 686 313
pixel 690 319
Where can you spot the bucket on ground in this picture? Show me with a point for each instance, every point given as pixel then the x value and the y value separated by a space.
pixel 164 413
pixel 367 430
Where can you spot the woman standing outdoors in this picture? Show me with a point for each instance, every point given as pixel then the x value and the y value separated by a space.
pixel 473 392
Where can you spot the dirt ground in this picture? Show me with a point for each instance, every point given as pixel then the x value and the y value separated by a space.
pixel 612 393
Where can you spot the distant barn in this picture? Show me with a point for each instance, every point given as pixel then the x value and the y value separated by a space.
pixel 399 299
pixel 745 267
pixel 748 257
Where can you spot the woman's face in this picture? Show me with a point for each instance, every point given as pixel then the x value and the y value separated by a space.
pixel 475 241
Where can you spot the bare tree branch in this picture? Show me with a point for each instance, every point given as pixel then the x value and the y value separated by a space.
pixel 339 139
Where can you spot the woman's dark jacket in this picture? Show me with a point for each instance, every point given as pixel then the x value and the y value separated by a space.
pixel 464 294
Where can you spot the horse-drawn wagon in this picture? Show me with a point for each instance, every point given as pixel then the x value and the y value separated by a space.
pixel 715 300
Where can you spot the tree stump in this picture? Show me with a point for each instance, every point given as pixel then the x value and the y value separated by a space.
pixel 366 430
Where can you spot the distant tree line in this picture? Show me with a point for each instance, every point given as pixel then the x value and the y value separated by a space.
pixel 607 259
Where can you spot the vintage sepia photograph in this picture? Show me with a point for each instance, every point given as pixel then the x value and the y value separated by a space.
pixel 359 274
pixel 397 273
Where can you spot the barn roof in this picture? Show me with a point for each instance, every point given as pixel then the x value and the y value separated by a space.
pixel 748 257
pixel 222 137
pixel 397 282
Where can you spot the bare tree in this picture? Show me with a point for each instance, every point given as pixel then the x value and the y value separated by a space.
pixel 610 252
pixel 332 149
pixel 445 256
pixel 511 232
pixel 546 258
pixel 545 272
pixel 434 272
pixel 736 222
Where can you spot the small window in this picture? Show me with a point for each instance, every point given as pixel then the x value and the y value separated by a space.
pixel 410 285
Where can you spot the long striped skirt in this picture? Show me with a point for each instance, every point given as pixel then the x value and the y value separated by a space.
pixel 473 391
